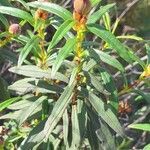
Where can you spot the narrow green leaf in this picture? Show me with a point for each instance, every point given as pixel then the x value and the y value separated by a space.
pixel 52 8
pixel 105 113
pixel 140 126
pixel 26 113
pixel 82 118
pixel 93 80
pixel 26 50
pixel 17 13
pixel 110 87
pixel 75 128
pixel 98 14
pixel 134 57
pixel 8 102
pixel 148 53
pixel 111 40
pixel 100 55
pixel 147 147
pixel 144 95
pixel 4 21
pixel 34 138
pixel 61 32
pixel 95 2
pixel 36 72
pixel 64 52
pixel 4 93
pixel 58 110
pixel 8 55
pixel 65 127
pixel 106 137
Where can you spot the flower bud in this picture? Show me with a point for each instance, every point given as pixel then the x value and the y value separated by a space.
pixel 41 14
pixel 14 29
pixel 82 6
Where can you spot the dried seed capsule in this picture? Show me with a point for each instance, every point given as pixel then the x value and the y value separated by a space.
pixel 15 29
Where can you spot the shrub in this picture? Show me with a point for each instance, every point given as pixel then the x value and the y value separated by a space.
pixel 65 96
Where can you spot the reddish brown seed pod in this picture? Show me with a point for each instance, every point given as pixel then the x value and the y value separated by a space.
pixel 124 107
pixel 82 6
pixel 14 29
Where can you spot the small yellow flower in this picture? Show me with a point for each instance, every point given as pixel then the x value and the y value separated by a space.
pixel 146 72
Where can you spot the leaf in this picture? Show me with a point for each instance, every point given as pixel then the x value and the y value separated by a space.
pixel 4 21
pixel 11 115
pixel 64 52
pixel 140 126
pixel 82 118
pixel 148 53
pixel 132 37
pixel 8 102
pixel 91 79
pixel 110 87
pixel 23 86
pixel 61 32
pixel 26 50
pixel 95 2
pixel 52 8
pixel 136 58
pixel 35 137
pixel 17 13
pixel 65 127
pixel 144 95
pixel 27 112
pixel 105 113
pixel 105 137
pixel 5 3
pixel 75 128
pixel 87 65
pixel 4 93
pixel 100 55
pixel 98 14
pixel 111 40
pixel 147 147
pixel 8 55
pixel 36 72
pixel 58 110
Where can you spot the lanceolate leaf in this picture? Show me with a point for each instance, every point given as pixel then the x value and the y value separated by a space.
pixel 65 127
pixel 8 102
pixel 58 110
pixel 61 32
pixel 26 113
pixel 100 55
pixel 4 21
pixel 75 128
pixel 26 50
pixel 37 72
pixel 105 113
pixel 110 87
pixel 64 52
pixel 17 13
pixel 95 2
pixel 141 126
pixel 109 38
pixel 52 8
pixel 105 136
pixel 98 14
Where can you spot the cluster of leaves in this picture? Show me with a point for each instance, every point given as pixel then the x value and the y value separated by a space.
pixel 60 103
